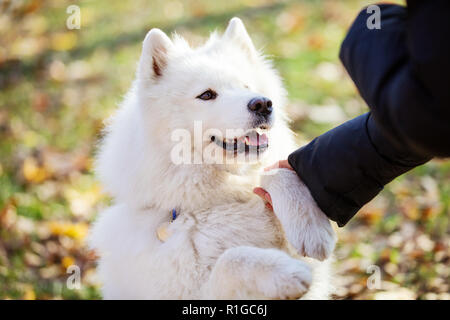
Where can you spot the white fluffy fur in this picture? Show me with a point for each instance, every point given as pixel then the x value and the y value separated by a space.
pixel 225 243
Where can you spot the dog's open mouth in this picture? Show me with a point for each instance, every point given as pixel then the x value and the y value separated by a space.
pixel 253 141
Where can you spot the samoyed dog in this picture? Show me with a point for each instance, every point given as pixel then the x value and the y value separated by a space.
pixel 185 223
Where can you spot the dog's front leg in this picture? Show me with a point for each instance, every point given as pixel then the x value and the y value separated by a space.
pixel 306 227
pixel 255 273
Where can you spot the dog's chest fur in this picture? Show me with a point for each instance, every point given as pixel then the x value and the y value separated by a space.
pixel 216 229
pixel 134 255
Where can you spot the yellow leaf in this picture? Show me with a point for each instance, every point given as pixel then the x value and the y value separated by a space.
pixel 76 231
pixel 67 261
pixel 32 172
pixel 64 41
pixel 29 293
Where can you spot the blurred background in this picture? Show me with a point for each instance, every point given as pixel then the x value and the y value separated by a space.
pixel 57 86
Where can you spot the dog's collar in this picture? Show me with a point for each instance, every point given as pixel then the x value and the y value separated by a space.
pixel 174 214
pixel 162 232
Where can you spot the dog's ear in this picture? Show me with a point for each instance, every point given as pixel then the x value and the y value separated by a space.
pixel 155 50
pixel 237 33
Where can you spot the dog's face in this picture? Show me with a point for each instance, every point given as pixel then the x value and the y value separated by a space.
pixel 224 87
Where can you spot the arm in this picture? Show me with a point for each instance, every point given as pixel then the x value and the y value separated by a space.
pixel 344 170
pixel 401 72
pixel 397 71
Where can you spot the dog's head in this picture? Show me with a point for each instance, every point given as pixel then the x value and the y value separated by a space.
pixel 211 104
pixel 226 88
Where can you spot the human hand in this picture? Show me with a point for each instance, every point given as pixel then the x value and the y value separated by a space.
pixel 279 165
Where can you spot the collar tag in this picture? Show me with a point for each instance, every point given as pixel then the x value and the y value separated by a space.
pixel 162 232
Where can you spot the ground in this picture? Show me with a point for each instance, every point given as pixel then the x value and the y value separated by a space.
pixel 57 86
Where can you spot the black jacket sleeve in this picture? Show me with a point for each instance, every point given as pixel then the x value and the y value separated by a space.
pixel 402 72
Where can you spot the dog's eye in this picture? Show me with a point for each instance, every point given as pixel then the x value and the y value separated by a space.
pixel 208 95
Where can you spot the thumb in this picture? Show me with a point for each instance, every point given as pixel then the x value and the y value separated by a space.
pixel 284 164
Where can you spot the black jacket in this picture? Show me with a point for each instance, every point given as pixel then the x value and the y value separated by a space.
pixel 402 71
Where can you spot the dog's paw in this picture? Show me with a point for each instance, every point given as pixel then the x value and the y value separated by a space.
pixel 288 282
pixel 317 238
pixel 306 227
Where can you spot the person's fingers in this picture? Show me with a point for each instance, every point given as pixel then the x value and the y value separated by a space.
pixel 260 192
pixel 280 164
pixel 263 194
pixel 273 166
pixel 268 198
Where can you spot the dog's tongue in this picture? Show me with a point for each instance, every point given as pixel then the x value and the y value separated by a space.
pixel 257 140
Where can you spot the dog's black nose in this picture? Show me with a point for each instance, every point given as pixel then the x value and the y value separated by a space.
pixel 261 106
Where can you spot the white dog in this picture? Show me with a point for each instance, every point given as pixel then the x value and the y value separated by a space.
pixel 223 243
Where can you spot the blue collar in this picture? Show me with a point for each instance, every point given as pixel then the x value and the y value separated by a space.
pixel 174 214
